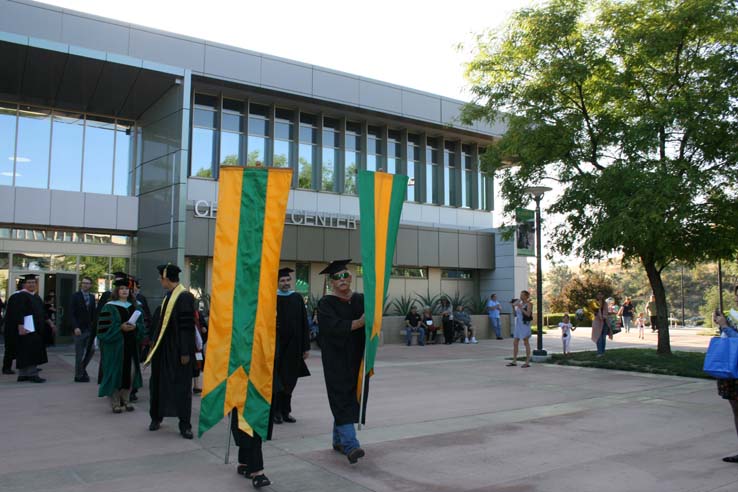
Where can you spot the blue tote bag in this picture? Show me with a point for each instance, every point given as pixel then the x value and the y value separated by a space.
pixel 721 359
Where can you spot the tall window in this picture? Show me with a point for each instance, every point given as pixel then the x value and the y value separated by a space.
pixel 8 115
pixel 66 151
pixel 308 153
pixel 32 151
pixel 481 184
pixel 413 168
pixel 432 194
pixel 123 171
pixel 284 135
pixel 259 140
pixel 449 173
pixel 374 149
pixel 204 133
pixel 467 173
pixel 97 164
pixel 394 151
pixel 352 156
pixel 232 132
pixel 331 148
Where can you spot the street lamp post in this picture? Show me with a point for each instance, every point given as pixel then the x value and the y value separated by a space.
pixel 537 193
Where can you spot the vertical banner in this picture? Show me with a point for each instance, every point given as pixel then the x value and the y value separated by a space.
pixel 252 203
pixel 381 196
pixel 525 232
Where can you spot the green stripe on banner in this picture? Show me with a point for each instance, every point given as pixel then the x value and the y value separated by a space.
pixel 248 267
pixel 211 407
pixel 366 192
pixel 256 410
pixel 399 187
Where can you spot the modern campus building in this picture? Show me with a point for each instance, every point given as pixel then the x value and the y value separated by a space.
pixel 112 136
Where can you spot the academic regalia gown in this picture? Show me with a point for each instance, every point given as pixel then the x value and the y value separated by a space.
pixel 293 339
pixel 31 350
pixel 121 349
pixel 170 386
pixel 10 330
pixel 342 353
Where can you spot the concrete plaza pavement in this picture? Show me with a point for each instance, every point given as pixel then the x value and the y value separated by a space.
pixel 440 418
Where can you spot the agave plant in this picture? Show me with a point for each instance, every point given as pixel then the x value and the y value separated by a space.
pixel 312 304
pixel 432 301
pixel 400 306
pixel 459 299
pixel 477 305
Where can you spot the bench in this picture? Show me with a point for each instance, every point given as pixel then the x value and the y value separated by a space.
pixel 439 336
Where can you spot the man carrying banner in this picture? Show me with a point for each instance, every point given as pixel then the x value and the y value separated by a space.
pixel 293 347
pixel 172 356
pixel 342 338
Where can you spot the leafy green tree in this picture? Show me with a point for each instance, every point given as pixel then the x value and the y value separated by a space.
pixel 630 105
pixel 583 288
pixel 554 281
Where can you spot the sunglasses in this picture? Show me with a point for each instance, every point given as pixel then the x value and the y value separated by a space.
pixel 339 276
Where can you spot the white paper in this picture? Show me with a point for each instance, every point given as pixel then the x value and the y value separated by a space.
pixel 28 323
pixel 429 322
pixel 134 317
pixel 198 355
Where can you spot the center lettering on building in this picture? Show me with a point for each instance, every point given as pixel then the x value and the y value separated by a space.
pixel 205 209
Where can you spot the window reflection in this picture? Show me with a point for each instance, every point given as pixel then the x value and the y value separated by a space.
pixel 284 135
pixel 32 153
pixel 7 143
pixel 258 141
pixel 123 158
pixel 331 144
pixel 352 156
pixel 232 133
pixel 307 150
pixel 431 171
pixel 394 151
pixel 97 171
pixel 449 174
pixel 413 168
pixel 66 151
pixel 374 149
pixel 466 176
pixel 204 134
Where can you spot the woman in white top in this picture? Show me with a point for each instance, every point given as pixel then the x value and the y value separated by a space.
pixel 523 309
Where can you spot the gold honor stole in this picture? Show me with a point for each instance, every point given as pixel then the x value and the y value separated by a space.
pixel 167 314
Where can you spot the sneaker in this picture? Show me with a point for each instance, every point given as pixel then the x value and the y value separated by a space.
pixel 474 340
pixel 466 340
pixel 354 455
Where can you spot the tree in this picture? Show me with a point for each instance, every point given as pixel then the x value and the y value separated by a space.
pixel 582 289
pixel 630 105
pixel 554 282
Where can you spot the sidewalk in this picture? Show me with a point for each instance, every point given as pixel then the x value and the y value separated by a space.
pixel 440 418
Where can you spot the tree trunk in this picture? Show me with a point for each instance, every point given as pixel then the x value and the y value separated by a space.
pixel 662 323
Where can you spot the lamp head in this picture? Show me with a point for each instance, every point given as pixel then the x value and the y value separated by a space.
pixel 537 191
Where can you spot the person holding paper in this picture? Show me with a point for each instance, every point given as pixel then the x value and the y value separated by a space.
pixel 120 329
pixel 25 313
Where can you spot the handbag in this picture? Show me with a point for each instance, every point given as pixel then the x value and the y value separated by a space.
pixel 721 359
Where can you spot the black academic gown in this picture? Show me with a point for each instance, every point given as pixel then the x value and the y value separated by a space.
pixel 342 352
pixel 293 339
pixel 30 348
pixel 10 334
pixel 170 385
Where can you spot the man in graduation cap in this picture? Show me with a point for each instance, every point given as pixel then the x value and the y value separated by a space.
pixel 293 347
pixel 341 321
pixel 172 354
pixel 25 315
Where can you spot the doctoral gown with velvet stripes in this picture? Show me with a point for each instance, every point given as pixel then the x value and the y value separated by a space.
pixel 342 351
pixel 121 366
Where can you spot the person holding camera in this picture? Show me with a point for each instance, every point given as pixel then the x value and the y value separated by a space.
pixel 523 310
pixel 728 388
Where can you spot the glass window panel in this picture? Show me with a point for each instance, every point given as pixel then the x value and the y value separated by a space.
pixel 308 119
pixel 232 122
pixel 205 118
pixel 391 165
pixel 259 110
pixel 258 126
pixel 234 105
pixel 353 127
pixel 257 151
pixel 371 162
pixel 330 139
pixel 305 165
pixel 374 131
pixel 482 191
pixel 198 272
pixel 302 280
pixel 331 123
pixel 206 101
pixel 394 135
pixel 411 182
pixel 66 152
pixel 30 261
pixel 203 152
pixel 353 141
pixel 330 161
pixel 282 154
pixel 230 149
pixel 32 154
pixel 98 269
pixel 308 134
pixel 98 161
pixel 284 114
pixel 284 130
pixel 352 165
pixel 64 263
pixel 446 186
pixel 123 161
pixel 7 144
pixel 414 139
pixel 467 186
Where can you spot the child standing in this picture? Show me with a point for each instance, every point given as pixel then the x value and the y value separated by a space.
pixel 641 325
pixel 566 329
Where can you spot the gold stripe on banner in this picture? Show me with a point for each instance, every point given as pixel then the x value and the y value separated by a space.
pixel 265 333
pixel 382 201
pixel 224 268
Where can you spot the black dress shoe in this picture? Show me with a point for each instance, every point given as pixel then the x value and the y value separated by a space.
pixel 31 379
pixel 133 397
pixel 260 481
pixel 243 470
pixel 154 425
pixel 82 379
pixel 8 371
pixel 289 418
pixel 354 455
pixel 277 419
pixel 187 433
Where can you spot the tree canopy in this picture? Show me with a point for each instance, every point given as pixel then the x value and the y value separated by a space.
pixel 631 106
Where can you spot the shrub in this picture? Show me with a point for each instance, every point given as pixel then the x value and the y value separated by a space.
pixel 432 301
pixel 400 306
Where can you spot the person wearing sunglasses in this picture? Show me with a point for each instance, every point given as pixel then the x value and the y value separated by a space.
pixel 341 320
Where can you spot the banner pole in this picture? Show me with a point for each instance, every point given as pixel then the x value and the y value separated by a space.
pixel 363 387
pixel 228 442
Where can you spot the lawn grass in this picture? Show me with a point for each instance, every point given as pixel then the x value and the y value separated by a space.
pixel 679 363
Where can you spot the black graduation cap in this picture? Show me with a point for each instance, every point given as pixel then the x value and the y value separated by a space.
pixel 121 282
pixel 28 276
pixel 284 272
pixel 169 271
pixel 335 267
pixel 119 275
